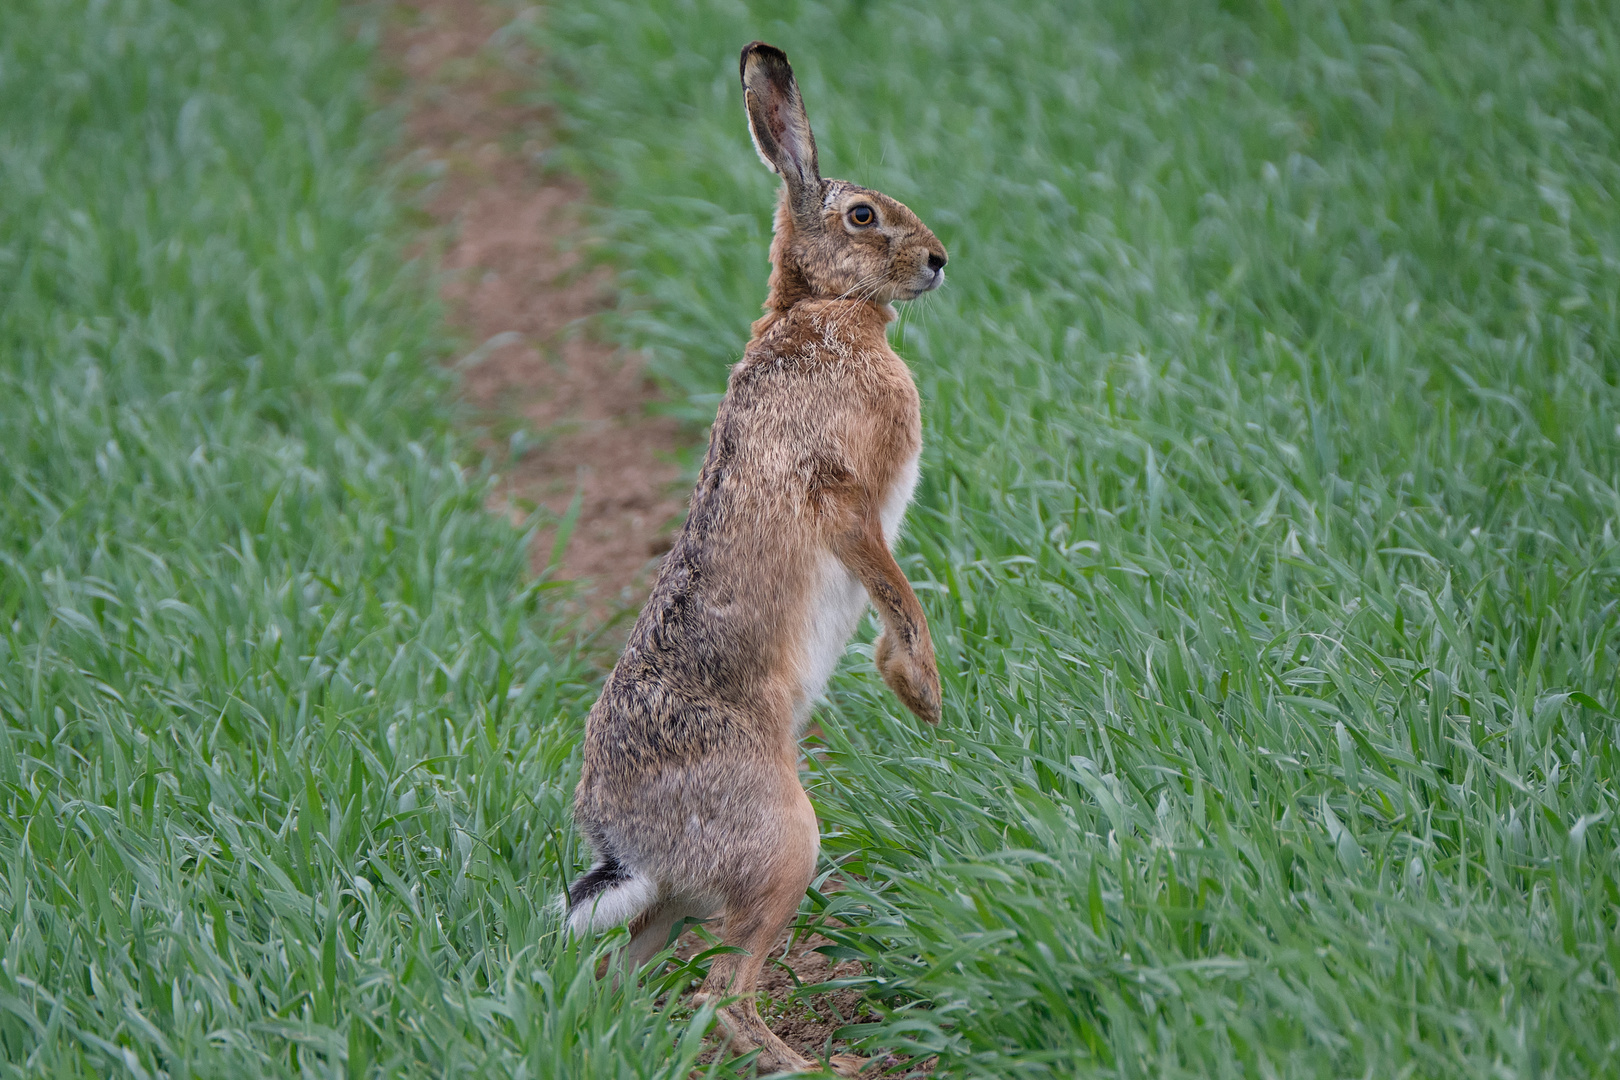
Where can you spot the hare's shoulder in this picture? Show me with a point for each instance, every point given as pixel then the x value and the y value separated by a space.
pixel 839 347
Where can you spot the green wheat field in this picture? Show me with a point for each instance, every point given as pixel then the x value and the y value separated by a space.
pixel 1268 533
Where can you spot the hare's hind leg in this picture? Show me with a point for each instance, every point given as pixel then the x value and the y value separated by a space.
pixel 649 931
pixel 764 893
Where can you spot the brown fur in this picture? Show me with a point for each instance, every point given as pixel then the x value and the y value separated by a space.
pixel 690 794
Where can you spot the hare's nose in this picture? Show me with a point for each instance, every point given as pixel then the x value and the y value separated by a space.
pixel 936 261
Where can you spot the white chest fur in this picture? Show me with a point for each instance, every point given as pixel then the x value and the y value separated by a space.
pixel 838 599
pixel 894 507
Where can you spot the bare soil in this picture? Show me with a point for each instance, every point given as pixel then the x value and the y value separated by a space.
pixel 808 1021
pixel 508 236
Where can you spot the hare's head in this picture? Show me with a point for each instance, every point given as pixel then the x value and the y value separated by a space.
pixel 834 239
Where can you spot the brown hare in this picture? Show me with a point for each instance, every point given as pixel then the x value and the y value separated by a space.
pixel 690 795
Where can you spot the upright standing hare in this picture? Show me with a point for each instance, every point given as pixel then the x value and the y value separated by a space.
pixel 690 794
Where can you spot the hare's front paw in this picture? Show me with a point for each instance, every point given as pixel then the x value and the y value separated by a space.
pixel 911 674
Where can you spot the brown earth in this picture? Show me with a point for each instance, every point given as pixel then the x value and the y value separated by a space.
pixel 508 236
pixel 564 412
pixel 806 1022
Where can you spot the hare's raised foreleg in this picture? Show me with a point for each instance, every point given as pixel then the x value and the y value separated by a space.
pixel 905 652
pixel 761 900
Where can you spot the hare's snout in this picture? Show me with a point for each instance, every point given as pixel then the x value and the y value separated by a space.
pixel 931 274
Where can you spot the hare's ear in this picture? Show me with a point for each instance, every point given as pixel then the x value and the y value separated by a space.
pixel 777 121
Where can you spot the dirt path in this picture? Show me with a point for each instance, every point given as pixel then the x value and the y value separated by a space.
pixel 506 234
pixel 566 412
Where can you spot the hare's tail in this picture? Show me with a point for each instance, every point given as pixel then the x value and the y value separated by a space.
pixel 607 895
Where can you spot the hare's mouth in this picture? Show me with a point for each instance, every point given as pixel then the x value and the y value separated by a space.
pixel 927 281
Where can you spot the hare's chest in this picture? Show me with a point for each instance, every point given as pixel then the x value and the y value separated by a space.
pixel 898 498
pixel 838 599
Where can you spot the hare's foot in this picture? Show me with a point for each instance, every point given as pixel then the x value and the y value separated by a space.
pixel 848 1064
pixel 911 672
pixel 746 1030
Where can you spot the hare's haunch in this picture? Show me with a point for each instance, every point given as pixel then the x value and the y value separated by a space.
pixel 690 794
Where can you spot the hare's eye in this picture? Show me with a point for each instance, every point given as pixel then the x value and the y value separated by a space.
pixel 862 215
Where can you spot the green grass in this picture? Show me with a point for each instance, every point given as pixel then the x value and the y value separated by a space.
pixel 1268 533
pixel 285 731
pixel 1268 521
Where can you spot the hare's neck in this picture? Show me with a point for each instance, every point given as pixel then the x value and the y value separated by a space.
pixel 839 325
pixel 789 283
pixel 788 286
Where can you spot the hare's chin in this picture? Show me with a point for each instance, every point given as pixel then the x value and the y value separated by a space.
pixel 928 283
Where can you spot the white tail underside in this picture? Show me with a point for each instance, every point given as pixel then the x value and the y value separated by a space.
pixel 612 906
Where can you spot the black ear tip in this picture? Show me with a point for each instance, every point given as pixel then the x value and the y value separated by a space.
pixel 762 53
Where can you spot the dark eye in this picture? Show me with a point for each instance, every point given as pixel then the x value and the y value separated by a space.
pixel 862 215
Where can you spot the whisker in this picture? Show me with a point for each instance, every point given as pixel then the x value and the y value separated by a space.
pixel 868 282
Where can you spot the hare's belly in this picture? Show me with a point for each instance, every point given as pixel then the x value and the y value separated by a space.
pixel 838 599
